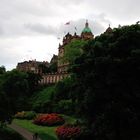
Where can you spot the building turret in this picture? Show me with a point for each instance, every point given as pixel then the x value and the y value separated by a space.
pixel 109 30
pixel 67 38
pixel 86 32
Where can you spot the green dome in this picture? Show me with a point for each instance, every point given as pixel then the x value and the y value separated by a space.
pixel 86 30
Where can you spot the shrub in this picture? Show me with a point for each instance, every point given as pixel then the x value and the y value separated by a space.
pixel 42 101
pixel 25 115
pixel 68 132
pixel 8 134
pixel 65 106
pixel 20 115
pixel 49 119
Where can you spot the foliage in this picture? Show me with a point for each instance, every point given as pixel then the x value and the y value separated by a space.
pixel 5 105
pixel 33 82
pixel 2 70
pixel 8 134
pixel 63 89
pixel 73 50
pixel 69 119
pixel 49 69
pixel 15 89
pixel 5 109
pixel 49 119
pixel 108 77
pixel 53 67
pixel 14 85
pixel 29 115
pixel 42 101
pixel 56 98
pixel 104 86
pixel 44 68
pixel 103 89
pixel 65 106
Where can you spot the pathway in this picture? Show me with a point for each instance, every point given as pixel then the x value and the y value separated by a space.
pixel 26 134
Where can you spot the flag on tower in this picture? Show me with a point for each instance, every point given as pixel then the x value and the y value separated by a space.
pixel 67 23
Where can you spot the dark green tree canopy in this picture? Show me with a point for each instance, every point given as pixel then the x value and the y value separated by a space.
pixel 15 89
pixel 73 50
pixel 108 75
pixel 2 70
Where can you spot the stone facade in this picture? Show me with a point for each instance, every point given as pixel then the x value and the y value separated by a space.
pixel 52 78
pixel 85 35
pixel 62 67
pixel 31 66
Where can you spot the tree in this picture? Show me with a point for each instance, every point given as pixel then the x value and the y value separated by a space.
pixel 14 85
pixel 2 70
pixel 5 109
pixel 108 77
pixel 73 50
pixel 33 82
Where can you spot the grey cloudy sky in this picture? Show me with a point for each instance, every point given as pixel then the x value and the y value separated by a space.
pixel 29 29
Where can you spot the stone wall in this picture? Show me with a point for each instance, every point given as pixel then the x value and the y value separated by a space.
pixel 53 78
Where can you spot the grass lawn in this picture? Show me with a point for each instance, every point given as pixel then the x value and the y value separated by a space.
pixel 45 133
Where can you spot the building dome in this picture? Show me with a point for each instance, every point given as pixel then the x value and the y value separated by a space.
pixel 86 32
pixel 86 29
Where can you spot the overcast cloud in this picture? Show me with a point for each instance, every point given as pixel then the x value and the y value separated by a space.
pixel 29 29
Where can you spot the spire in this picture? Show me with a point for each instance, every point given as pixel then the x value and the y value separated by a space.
pixel 109 30
pixel 86 32
pixel 86 25
pixel 86 29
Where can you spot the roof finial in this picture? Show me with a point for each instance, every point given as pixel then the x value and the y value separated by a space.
pixel 86 23
pixel 109 25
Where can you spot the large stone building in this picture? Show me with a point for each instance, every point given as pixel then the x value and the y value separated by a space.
pixel 62 67
pixel 85 35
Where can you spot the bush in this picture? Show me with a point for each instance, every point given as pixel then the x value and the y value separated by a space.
pixel 42 101
pixel 48 119
pixel 29 115
pixel 8 134
pixel 68 132
pixel 65 106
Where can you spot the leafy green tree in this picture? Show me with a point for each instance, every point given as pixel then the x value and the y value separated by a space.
pixel 53 67
pixel 73 50
pixel 42 100
pixel 33 82
pixel 15 85
pixel 15 90
pixel 2 70
pixel 108 78
pixel 5 109
pixel 44 68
